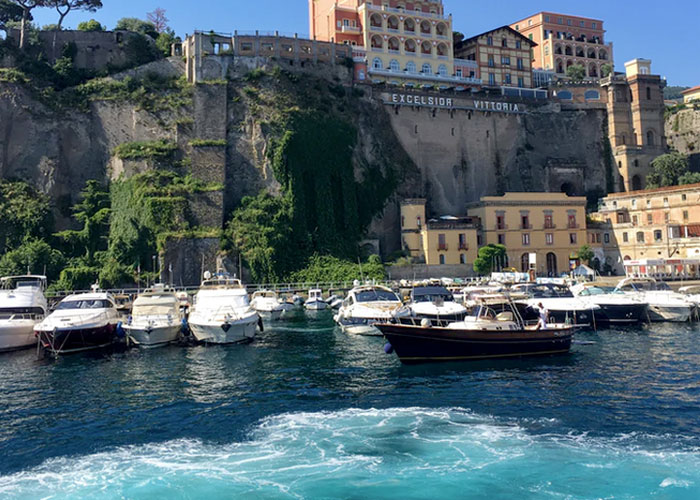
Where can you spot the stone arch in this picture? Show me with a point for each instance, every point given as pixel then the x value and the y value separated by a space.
pixel 409 25
pixel 568 51
pixel 394 65
pixel 551 260
pixel 392 23
pixel 558 50
pixel 442 50
pixel 375 21
pixel 592 54
pixel 376 42
pixel 426 28
pixel 411 67
pixel 410 46
pixel 426 48
pixel 441 29
pixel 427 69
pixel 393 44
pixel 603 54
pixel 593 70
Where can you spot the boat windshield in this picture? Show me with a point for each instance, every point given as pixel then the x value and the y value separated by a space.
pixel 660 285
pixel 84 304
pixel 376 295
pixel 20 312
pixel 432 294
pixel 153 310
pixel 545 291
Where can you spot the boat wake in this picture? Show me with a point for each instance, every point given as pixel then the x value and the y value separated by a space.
pixel 378 453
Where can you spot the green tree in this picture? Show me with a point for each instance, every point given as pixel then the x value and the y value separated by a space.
pixel 689 178
pixel 137 26
pixel 93 211
pixel 24 213
pixel 64 7
pixel 576 72
pixel 165 41
pixel 489 258
pixel 10 13
pixel 90 25
pixel 585 254
pixel 606 69
pixel 27 7
pixel 35 256
pixel 667 170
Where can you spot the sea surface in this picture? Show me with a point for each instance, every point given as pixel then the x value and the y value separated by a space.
pixel 308 412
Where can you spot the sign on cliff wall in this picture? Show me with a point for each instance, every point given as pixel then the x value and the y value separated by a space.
pixel 431 101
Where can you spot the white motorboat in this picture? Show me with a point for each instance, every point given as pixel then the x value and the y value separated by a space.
pixel 315 301
pixel 81 322
pixel 221 313
pixel 436 304
pixel 267 304
pixel 156 318
pixel 664 303
pixel 369 304
pixel 334 302
pixel 691 294
pixel 561 304
pixel 618 308
pixel 22 306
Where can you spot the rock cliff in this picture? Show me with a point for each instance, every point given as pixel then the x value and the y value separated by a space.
pixel 683 134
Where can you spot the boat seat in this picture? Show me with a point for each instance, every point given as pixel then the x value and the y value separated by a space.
pixel 505 316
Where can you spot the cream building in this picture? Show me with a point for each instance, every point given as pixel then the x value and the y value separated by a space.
pixel 438 241
pixel 659 225
pixel 539 230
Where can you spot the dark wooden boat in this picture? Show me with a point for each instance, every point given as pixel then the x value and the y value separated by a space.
pixel 496 330
pixel 417 344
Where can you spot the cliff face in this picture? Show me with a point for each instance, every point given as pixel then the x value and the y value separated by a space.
pixel 683 134
pixel 241 133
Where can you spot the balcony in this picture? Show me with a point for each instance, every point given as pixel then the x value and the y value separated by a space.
pixel 350 29
pixel 550 226
pixel 442 247
pixel 421 76
pixel 574 226
pixel 526 226
pixel 463 246
pixel 501 227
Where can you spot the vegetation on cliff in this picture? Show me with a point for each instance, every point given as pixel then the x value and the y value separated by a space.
pixel 328 197
pixel 671 170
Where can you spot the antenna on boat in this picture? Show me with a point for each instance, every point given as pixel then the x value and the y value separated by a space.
pixel 362 277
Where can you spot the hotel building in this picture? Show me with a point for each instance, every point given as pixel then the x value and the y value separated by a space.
pixel 691 95
pixel 636 107
pixel 503 57
pixel 552 226
pixel 656 227
pixel 439 241
pixel 398 42
pixel 564 40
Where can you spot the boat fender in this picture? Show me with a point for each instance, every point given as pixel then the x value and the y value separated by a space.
pixel 184 328
pixel 425 323
pixel 120 331
pixel 260 324
pixel 388 348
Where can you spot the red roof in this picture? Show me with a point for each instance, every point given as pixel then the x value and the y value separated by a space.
pixel 683 187
pixel 690 90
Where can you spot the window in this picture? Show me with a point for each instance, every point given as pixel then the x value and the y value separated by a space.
pixel 491 63
pixel 657 235
pixel 492 79
pixel 549 238
pixel 625 238
pixel 548 221
pixel 521 81
pixel 640 237
pixel 685 215
pixel 594 25
pixel 489 40
pixel 505 60
pixel 568 22
pixel 418 221
pixel 500 222
pixel 458 72
pixel 582 24
pixel 573 238
pixel 427 69
pixel 442 259
pixel 442 70
pixel 634 203
pixel 525 222
pixel 546 19
pixel 529 36
pixel 648 93
pixel 394 65
pixel 634 220
pixel 508 78
pixel 684 197
pixel 572 221
pixel 526 239
pixel 519 63
pixel 665 202
pixel 666 217
pixel 504 42
pixel 403 221
pixel 606 238
pixel 411 67
pixel 377 63
pixel 462 258
pixel 529 22
pixel 649 219
pixel 479 239
pixel 518 44
pixel 650 138
pixel 442 244
pixel 501 239
pixel 560 21
pixel 517 27
pixel 462 241
pixel 591 95
pixel 565 95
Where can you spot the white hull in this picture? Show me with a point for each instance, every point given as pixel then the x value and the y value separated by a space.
pixel 676 314
pixel 315 305
pixel 273 315
pixel 152 336
pixel 364 330
pixel 16 335
pixel 216 333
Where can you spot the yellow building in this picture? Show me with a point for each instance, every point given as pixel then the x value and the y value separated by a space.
pixel 437 241
pixel 655 224
pixel 691 95
pixel 550 227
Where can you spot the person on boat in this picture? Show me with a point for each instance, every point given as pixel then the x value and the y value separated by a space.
pixel 542 322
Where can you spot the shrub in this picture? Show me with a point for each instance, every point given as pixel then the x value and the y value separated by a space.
pixel 153 150
pixel 90 25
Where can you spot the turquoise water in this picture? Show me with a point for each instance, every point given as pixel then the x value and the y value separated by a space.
pixel 308 412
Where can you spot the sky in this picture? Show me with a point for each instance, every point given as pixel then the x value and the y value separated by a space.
pixel 668 34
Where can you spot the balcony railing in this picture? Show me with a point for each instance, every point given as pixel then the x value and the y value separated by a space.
pixel 525 226
pixel 350 29
pixel 421 76
pixel 463 246
pixel 442 247
pixel 574 225
pixel 501 227
pixel 550 226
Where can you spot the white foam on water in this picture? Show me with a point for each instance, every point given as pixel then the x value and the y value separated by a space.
pixel 372 452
